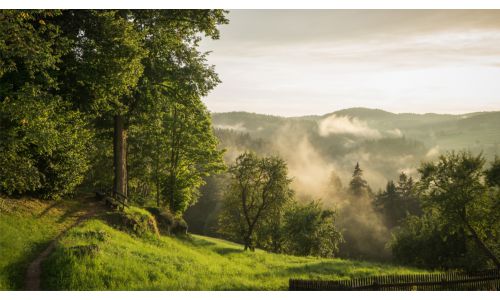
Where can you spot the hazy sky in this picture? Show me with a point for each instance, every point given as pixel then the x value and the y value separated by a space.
pixel 300 62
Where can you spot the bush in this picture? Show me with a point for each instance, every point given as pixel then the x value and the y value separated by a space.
pixel 180 227
pixel 310 230
pixel 135 220
pixel 425 243
pixel 168 223
pixel 43 146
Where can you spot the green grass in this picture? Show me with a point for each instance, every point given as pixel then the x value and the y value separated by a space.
pixel 26 228
pixel 124 262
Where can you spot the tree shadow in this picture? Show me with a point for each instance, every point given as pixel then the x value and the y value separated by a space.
pixel 325 268
pixel 224 251
pixel 49 208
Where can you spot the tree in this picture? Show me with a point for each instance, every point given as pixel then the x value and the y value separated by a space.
pixel 121 60
pixel 171 127
pixel 397 201
pixel 493 173
pixel 426 242
pixel 101 71
pixel 43 144
pixel 363 229
pixel 389 203
pixel 454 187
pixel 310 230
pixel 258 186
pixel 358 185
pixel 406 191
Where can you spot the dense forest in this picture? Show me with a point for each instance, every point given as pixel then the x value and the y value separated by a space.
pixel 110 101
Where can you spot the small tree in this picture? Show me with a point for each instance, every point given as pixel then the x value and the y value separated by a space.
pixel 258 187
pixel 310 230
pixel 454 187
pixel 388 203
pixel 358 185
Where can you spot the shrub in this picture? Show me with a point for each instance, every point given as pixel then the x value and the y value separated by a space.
pixel 310 230
pixel 43 146
pixel 180 227
pixel 135 220
pixel 167 222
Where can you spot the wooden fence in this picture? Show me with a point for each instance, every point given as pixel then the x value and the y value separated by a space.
pixel 488 280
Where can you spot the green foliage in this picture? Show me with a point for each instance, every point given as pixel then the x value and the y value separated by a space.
pixel 124 262
pixel 423 242
pixel 104 64
pixel 493 173
pixel 259 210
pixel 460 218
pixel 397 201
pixel 310 230
pixel 259 189
pixel 135 220
pixel 65 75
pixel 202 216
pixel 167 222
pixel 172 144
pixel 43 144
pixel 44 147
pixel 358 185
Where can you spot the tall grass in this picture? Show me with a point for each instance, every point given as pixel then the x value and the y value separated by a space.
pixel 124 262
pixel 26 227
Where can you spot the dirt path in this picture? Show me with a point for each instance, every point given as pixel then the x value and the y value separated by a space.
pixel 34 271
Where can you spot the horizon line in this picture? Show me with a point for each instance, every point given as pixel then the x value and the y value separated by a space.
pixel 350 108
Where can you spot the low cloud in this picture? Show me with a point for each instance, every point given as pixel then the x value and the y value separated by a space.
pixel 235 127
pixel 395 132
pixel 346 125
pixel 433 152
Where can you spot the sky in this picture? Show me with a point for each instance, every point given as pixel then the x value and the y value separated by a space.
pixel 312 62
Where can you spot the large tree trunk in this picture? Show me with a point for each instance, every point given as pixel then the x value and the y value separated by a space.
pixel 120 157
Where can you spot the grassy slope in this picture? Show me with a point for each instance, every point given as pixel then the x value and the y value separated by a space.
pixel 26 227
pixel 196 263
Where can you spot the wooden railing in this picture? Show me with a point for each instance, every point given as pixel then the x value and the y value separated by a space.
pixel 121 199
pixel 117 201
pixel 451 281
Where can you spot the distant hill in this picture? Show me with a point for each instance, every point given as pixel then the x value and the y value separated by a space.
pixel 384 143
pixel 475 131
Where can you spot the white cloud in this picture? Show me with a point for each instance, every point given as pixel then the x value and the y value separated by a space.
pixel 433 152
pixel 235 127
pixel 395 132
pixel 346 125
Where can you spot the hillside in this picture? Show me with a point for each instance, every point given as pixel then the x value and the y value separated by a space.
pixel 363 135
pixel 125 262
pixel 27 226
pixel 194 263
pixel 471 130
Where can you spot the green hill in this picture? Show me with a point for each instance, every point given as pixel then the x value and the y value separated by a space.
pixel 345 137
pixel 193 263
pixel 125 262
pixel 26 227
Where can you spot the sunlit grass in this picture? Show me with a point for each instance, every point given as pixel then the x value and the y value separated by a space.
pixel 124 262
pixel 26 227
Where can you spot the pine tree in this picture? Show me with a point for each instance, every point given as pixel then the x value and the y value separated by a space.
pixel 358 186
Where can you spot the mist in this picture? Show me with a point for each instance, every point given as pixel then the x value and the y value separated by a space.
pixel 321 152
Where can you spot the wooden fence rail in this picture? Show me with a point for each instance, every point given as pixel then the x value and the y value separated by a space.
pixel 452 281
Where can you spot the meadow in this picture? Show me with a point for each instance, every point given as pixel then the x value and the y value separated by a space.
pixel 122 261
pixel 27 226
